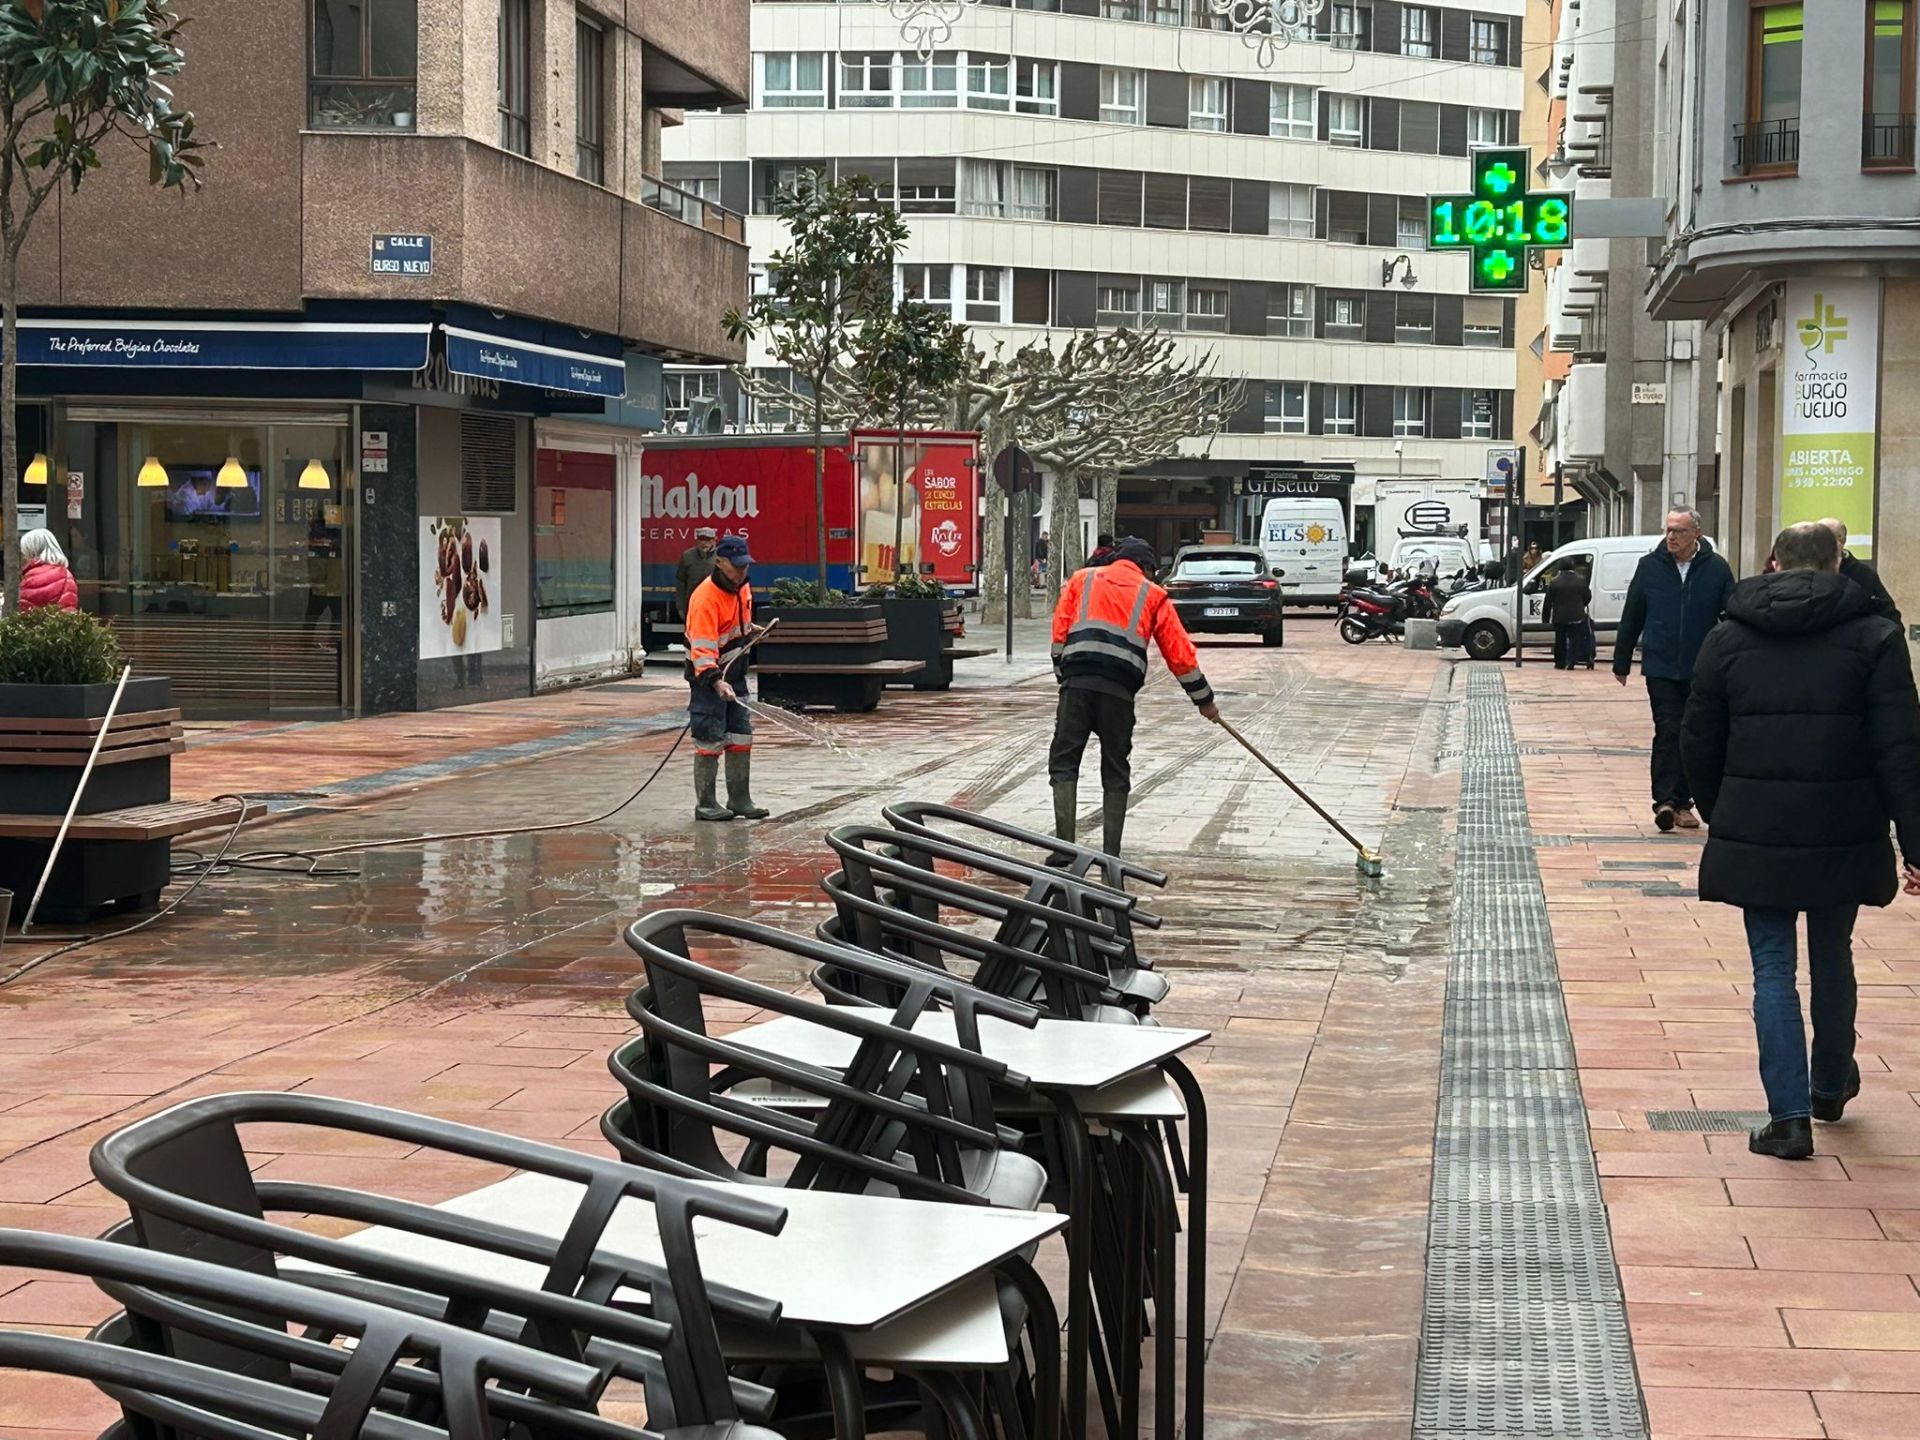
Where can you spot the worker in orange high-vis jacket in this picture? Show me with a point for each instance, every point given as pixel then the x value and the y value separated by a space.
pixel 1100 632
pixel 720 632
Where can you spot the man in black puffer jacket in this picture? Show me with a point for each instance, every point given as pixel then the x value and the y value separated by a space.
pixel 1802 742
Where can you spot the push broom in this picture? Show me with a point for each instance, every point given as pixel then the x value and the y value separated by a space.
pixel 1368 862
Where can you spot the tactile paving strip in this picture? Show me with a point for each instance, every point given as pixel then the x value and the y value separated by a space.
pixel 1524 1333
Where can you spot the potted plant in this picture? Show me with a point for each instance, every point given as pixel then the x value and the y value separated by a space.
pixel 57 674
pixel 824 651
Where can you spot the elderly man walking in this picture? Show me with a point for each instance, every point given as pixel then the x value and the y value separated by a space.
pixel 1865 576
pixel 1802 739
pixel 1676 597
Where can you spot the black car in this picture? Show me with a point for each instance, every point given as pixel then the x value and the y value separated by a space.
pixel 1226 590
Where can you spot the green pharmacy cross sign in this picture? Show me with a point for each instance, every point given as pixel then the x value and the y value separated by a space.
pixel 1500 222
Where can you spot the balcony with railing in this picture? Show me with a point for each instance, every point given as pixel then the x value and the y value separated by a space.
pixel 691 209
pixel 1886 142
pixel 1767 147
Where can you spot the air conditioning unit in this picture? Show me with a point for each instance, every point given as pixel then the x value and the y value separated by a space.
pixel 706 417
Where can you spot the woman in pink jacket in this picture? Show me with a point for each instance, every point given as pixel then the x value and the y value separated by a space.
pixel 45 579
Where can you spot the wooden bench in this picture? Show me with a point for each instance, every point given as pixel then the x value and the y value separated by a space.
pixel 140 822
pixel 826 632
pixel 113 860
pixel 847 688
pixel 969 652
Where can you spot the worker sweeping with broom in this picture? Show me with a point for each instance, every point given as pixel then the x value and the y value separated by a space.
pixel 1100 633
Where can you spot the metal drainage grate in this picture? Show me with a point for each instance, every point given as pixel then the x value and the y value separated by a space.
pixel 1524 1331
pixel 1706 1122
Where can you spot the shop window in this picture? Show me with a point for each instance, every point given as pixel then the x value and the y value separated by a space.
pixel 590 101
pixel 514 87
pixel 489 464
pixel 1290 111
pixel 573 533
pixel 1887 138
pixel 364 58
pixel 1768 141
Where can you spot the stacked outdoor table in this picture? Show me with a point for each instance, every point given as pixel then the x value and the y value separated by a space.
pixel 823 1224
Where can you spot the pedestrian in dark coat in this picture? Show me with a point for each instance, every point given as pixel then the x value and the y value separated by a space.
pixel 696 564
pixel 1565 609
pixel 1676 597
pixel 1865 576
pixel 1802 740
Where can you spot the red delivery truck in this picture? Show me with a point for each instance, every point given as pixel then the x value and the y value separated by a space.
pixel 761 486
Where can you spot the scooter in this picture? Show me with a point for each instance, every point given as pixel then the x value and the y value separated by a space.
pixel 1365 614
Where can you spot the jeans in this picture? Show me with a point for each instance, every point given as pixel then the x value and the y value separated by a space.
pixel 1669 701
pixel 1772 936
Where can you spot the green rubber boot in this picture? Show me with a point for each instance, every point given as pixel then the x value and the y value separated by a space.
pixel 1066 810
pixel 739 791
pixel 706 775
pixel 1113 820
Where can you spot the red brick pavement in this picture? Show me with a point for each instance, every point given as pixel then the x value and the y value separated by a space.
pixel 1765 1298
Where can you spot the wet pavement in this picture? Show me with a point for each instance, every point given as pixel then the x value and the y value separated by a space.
pixel 483 980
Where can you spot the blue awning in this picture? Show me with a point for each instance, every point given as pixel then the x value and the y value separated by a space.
pixel 488 356
pixel 225 344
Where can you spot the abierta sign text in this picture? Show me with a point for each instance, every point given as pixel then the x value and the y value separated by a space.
pixel 1829 407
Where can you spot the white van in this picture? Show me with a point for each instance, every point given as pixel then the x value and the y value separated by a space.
pixel 1448 554
pixel 1482 620
pixel 1304 541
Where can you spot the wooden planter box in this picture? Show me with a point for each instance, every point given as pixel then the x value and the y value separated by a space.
pixel 917 629
pixel 46 733
pixel 828 656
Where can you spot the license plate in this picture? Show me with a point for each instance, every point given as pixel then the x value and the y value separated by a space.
pixel 1220 612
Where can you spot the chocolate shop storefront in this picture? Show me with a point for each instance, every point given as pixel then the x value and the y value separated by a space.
pixel 311 517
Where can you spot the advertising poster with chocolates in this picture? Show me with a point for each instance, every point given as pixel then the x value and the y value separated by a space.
pixel 459 578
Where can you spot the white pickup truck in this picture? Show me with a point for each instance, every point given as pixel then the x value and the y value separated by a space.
pixel 1482 621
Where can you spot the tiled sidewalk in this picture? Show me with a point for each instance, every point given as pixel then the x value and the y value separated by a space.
pixel 1765 1298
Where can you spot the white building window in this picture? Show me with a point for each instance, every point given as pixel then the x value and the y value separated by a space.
pixel 1346 119
pixel 1476 414
pixel 1409 412
pixel 1166 303
pixel 866 82
pixel 1413 320
pixel 1034 193
pixel 1206 307
pixel 681 390
pixel 1290 311
pixel 1486 127
pixel 1121 9
pixel 930 285
pixel 1482 318
pixel 1286 407
pixel 1207 103
pixel 1165 12
pixel 793 80
pixel 1290 210
pixel 989 82
pixel 1341 413
pixel 1351 25
pixel 983 188
pixel 1119 96
pixel 1117 300
pixel 1290 112
pixel 985 292
pixel 1417 32
pixel 1410 225
pixel 1036 87
pixel 1489 42
pixel 930 84
pixel 1346 317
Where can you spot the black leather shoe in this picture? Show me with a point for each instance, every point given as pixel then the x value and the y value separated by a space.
pixel 1834 1107
pixel 1663 819
pixel 1783 1139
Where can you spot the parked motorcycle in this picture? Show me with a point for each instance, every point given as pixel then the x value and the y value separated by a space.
pixel 1366 614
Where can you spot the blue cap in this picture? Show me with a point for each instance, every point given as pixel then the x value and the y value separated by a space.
pixel 734 548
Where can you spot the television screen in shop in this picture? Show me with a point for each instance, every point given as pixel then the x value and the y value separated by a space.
pixel 193 494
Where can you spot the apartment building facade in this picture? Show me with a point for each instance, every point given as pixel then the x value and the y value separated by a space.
pixel 1069 164
pixel 1793 237
pixel 425 294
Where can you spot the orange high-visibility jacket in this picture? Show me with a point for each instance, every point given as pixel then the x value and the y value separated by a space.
pixel 717 626
pixel 1102 625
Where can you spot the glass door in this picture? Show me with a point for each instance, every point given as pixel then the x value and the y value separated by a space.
pixel 308 510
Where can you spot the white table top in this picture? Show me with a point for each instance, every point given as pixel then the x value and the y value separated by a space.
pixel 1056 1054
pixel 1144 1095
pixel 962 1329
pixel 850 1262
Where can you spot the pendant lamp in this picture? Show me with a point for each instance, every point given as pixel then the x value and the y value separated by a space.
pixel 153 475
pixel 315 477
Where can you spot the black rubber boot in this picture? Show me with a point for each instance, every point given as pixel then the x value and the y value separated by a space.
pixel 1783 1139
pixel 706 775
pixel 1829 1108
pixel 1066 811
pixel 739 791
pixel 1113 820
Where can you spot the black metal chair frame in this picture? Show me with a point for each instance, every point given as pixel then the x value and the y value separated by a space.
pixel 225 1404
pixel 184 1177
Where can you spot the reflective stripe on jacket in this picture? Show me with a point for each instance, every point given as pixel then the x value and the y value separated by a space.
pixel 717 626
pixel 1102 625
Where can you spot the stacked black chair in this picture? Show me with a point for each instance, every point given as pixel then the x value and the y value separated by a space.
pixel 906 1115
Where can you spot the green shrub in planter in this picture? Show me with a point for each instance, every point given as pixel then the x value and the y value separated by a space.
pixel 793 591
pixel 51 646
pixel 907 587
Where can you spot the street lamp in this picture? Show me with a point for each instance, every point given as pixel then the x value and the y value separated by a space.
pixel 1387 267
